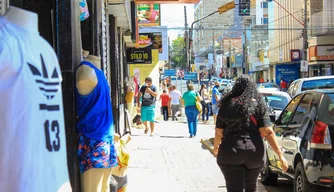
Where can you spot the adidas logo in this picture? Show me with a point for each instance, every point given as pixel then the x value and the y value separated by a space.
pixel 49 85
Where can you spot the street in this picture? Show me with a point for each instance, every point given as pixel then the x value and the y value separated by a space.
pixel 172 162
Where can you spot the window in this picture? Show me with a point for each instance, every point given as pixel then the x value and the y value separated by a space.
pixel 295 88
pixel 318 84
pixel 302 108
pixel 265 21
pixel 287 113
pixel 291 88
pixel 265 5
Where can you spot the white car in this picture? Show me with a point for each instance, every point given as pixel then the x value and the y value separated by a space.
pixel 303 84
pixel 276 100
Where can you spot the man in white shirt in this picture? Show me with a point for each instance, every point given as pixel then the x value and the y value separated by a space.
pixel 175 97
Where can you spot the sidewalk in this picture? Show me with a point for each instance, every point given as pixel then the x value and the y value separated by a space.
pixel 172 162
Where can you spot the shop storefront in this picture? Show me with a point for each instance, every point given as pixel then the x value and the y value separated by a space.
pixel 321 56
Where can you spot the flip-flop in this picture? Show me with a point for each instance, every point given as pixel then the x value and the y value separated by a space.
pixel 146 131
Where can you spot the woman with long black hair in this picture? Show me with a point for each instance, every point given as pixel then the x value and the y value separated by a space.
pixel 242 119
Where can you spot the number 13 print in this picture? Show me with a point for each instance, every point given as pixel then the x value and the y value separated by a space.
pixel 52 128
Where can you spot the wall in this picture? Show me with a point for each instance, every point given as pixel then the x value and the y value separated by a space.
pixel 163 30
pixel 202 39
pixel 285 40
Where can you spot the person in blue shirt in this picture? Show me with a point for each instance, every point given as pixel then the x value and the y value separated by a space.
pixel 215 100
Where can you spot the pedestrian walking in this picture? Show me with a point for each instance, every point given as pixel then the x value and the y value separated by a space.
pixel 242 120
pixel 215 101
pixel 164 98
pixel 189 100
pixel 146 101
pixel 205 103
pixel 175 97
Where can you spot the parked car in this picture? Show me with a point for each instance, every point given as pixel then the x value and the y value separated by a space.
pixel 305 131
pixel 276 100
pixel 303 84
pixel 267 85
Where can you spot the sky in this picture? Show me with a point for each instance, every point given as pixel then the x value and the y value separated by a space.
pixel 172 15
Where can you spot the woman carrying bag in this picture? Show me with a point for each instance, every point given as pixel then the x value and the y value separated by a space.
pixel 189 100
pixel 242 121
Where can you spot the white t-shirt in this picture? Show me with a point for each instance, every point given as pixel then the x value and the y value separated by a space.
pixel 175 97
pixel 32 131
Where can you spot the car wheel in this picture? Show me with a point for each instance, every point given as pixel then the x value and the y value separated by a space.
pixel 300 183
pixel 268 177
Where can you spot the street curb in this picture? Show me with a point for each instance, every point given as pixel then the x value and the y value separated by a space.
pixel 207 144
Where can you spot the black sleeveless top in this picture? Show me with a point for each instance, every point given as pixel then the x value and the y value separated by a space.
pixel 229 119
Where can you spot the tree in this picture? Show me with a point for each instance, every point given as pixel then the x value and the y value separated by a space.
pixel 178 53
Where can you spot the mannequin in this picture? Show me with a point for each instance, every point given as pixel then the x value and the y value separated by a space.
pixel 130 93
pixel 94 117
pixel 85 77
pixel 45 164
pixel 22 18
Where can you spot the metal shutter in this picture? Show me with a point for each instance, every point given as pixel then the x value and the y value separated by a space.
pixel 104 40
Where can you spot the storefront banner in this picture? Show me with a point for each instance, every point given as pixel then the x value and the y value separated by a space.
pixel 138 56
pixel 153 40
pixel 140 71
pixel 325 52
pixel 148 14
pixel 287 72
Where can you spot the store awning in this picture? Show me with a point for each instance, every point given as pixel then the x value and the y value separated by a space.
pixel 320 62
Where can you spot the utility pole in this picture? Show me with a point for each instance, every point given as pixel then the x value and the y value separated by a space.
pixel 245 52
pixel 214 52
pixel 187 38
pixel 305 34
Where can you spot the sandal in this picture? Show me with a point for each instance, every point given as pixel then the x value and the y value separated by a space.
pixel 146 131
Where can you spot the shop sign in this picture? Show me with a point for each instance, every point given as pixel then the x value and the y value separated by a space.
pixel 151 39
pixel 287 72
pixel 139 56
pixel 303 66
pixel 325 52
pixel 148 14
pixel 295 55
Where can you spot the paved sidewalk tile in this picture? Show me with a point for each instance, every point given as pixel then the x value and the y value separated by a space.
pixel 172 162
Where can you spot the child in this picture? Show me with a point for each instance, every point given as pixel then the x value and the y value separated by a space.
pixel 164 97
pixel 119 173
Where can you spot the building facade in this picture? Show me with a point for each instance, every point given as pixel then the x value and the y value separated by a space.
pixel 321 37
pixel 206 33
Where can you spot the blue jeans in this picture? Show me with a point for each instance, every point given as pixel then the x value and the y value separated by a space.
pixel 205 111
pixel 192 113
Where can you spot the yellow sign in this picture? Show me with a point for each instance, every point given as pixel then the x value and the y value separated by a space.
pixel 139 56
pixel 140 71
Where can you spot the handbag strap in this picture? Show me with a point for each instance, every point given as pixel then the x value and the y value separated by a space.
pixel 252 118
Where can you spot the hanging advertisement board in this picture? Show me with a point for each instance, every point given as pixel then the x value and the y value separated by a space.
pixel 140 55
